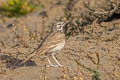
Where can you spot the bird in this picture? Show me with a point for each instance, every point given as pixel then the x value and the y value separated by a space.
pixel 50 45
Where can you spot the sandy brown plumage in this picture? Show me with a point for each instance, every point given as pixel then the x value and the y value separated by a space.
pixel 54 42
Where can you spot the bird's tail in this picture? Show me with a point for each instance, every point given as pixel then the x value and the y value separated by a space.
pixel 35 52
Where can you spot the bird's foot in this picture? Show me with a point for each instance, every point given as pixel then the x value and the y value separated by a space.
pixel 54 66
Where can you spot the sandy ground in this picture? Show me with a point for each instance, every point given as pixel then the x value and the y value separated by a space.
pixel 97 48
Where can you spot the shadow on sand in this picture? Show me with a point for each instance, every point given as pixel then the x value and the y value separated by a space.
pixel 13 63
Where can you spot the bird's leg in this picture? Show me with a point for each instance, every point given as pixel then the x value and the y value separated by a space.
pixel 49 62
pixel 56 60
pixel 51 65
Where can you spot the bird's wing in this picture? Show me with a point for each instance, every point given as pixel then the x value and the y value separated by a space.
pixel 51 42
pixel 53 39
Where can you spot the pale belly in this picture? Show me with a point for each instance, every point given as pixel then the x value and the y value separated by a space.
pixel 58 47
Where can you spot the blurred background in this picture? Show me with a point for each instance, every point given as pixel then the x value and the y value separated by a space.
pixel 92 39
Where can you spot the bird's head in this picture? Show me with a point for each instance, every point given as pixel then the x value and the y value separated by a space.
pixel 60 25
